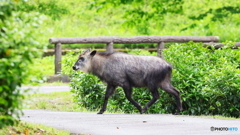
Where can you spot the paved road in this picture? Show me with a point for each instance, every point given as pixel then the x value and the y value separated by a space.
pixel 129 124
pixel 45 89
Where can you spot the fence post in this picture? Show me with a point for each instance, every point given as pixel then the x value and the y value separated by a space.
pixel 58 58
pixel 160 46
pixel 109 47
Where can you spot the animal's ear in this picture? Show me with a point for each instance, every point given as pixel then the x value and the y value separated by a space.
pixel 93 53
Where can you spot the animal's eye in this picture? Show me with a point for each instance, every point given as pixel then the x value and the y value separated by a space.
pixel 81 59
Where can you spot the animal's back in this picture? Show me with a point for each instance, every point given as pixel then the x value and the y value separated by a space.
pixel 137 62
pixel 136 69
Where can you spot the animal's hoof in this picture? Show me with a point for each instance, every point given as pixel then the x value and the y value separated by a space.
pixel 143 110
pixel 177 113
pixel 101 112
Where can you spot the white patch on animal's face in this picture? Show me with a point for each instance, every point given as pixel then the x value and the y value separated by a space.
pixel 86 66
pixel 83 63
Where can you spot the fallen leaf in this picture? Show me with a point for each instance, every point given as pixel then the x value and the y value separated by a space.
pixel 144 121
pixel 26 131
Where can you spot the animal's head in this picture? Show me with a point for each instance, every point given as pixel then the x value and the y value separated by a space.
pixel 84 61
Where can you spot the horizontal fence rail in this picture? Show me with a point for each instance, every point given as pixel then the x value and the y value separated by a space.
pixel 219 45
pixel 110 41
pixel 133 40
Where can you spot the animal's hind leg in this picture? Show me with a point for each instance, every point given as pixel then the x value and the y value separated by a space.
pixel 110 90
pixel 128 92
pixel 155 95
pixel 173 91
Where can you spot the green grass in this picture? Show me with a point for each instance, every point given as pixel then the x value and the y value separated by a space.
pixel 44 65
pixel 24 128
pixel 40 67
pixel 57 101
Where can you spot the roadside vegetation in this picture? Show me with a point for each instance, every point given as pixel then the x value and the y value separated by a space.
pixel 24 128
pixel 18 43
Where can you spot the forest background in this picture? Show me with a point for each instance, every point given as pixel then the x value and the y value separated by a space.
pixel 136 17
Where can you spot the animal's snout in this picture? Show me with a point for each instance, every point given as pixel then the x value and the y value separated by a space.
pixel 74 68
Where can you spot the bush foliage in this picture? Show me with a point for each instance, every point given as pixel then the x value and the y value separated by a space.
pixel 18 32
pixel 208 80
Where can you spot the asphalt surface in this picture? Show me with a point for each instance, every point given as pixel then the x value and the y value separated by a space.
pixel 127 124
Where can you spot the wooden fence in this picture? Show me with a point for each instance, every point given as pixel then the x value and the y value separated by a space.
pixel 110 41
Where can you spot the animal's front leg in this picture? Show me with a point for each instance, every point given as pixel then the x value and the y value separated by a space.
pixel 110 90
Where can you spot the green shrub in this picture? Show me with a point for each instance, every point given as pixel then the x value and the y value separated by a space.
pixel 18 31
pixel 208 80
